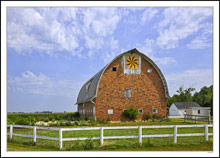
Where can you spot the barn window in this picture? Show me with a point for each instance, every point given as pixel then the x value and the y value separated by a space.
pixel 87 86
pixel 149 70
pixel 110 111
pixel 154 111
pixel 198 111
pixel 140 111
pixel 114 69
pixel 128 93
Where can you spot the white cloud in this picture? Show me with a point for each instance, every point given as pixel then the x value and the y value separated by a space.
pixel 196 78
pixel 40 29
pixel 180 23
pixel 41 84
pixel 204 40
pixel 54 30
pixel 148 49
pixel 164 60
pixel 148 14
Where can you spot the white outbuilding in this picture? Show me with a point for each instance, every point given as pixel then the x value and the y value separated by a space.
pixel 178 109
pixel 199 111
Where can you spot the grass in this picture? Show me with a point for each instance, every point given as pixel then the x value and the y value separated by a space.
pixel 196 143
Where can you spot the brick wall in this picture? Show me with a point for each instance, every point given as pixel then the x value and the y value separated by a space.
pixel 147 92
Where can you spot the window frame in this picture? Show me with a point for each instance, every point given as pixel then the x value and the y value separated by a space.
pixel 126 92
pixel 155 112
pixel 114 68
pixel 108 111
pixel 141 110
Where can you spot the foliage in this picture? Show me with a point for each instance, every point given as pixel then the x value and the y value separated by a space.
pixel 76 123
pixel 108 119
pixel 131 113
pixel 148 116
pixel 205 97
pixel 184 95
pixel 32 118
pixel 92 121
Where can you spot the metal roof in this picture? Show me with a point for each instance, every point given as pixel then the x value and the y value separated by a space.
pixel 186 105
pixel 91 93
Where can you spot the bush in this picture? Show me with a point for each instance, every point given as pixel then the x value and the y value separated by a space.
pixel 92 121
pixel 83 123
pixel 108 119
pixel 148 116
pixel 46 120
pixel 76 123
pixel 100 121
pixel 76 114
pixel 68 123
pixel 131 113
pixel 23 121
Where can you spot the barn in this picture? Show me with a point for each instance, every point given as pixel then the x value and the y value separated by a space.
pixel 130 79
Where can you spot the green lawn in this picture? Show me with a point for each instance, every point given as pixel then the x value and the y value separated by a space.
pixel 149 144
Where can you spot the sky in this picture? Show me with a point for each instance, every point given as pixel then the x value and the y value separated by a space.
pixel 53 51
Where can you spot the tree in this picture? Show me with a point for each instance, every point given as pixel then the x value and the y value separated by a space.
pixel 205 97
pixel 183 96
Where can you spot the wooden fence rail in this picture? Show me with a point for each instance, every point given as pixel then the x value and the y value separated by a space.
pixel 196 118
pixel 102 137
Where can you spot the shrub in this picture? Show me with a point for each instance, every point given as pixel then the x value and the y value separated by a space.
pixel 83 123
pixel 76 114
pixel 131 113
pixel 51 118
pixel 92 121
pixel 76 123
pixel 100 121
pixel 23 121
pixel 148 116
pixel 68 123
pixel 108 119
pixel 46 120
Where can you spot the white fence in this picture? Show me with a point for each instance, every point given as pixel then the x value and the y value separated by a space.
pixel 102 137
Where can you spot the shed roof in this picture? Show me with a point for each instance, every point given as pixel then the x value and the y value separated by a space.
pixel 91 93
pixel 186 105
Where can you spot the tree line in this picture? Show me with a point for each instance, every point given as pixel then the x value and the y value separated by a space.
pixel 204 97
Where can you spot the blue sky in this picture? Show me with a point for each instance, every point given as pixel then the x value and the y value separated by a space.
pixel 52 52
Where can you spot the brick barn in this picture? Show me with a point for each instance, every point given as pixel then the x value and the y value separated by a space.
pixel 129 79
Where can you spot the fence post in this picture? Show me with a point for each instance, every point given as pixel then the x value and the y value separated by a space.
pixel 101 136
pixel 206 132
pixel 195 119
pixel 60 138
pixel 11 132
pixel 209 120
pixel 35 135
pixel 184 117
pixel 175 134
pixel 140 134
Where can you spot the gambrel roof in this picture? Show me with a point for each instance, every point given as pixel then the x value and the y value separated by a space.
pixel 91 93
pixel 186 105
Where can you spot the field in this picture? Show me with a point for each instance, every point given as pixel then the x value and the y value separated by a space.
pixel 196 143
